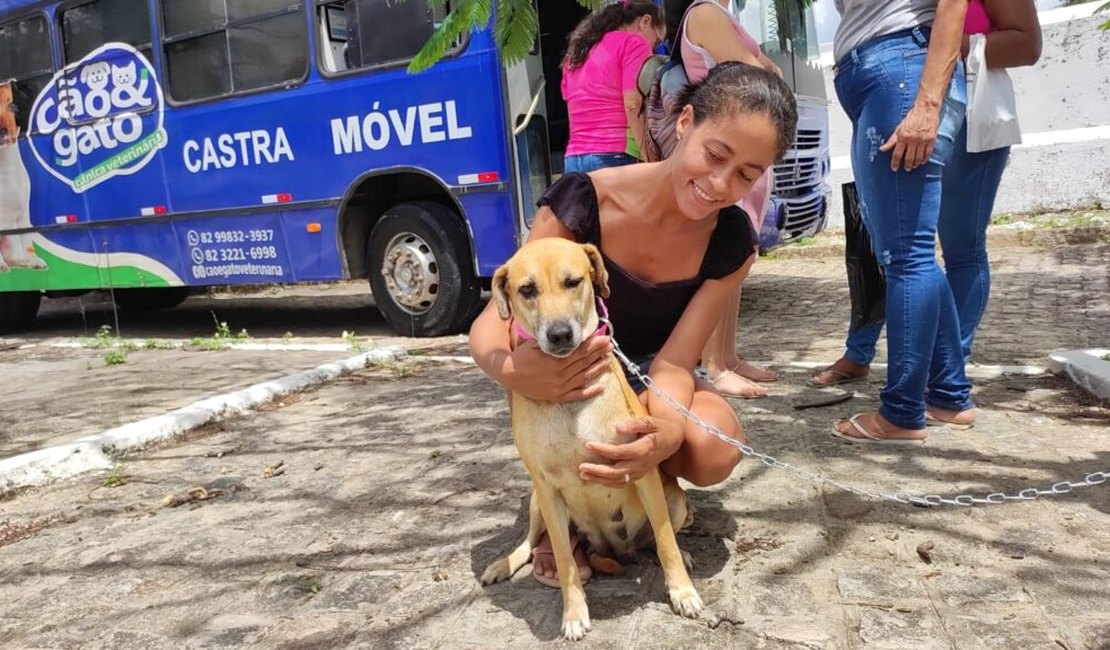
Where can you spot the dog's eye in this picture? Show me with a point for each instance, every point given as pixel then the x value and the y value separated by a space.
pixel 571 283
pixel 527 291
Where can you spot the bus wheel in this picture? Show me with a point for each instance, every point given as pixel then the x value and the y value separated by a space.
pixel 18 309
pixel 420 270
pixel 149 299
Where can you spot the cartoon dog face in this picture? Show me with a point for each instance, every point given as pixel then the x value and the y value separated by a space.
pixel 95 75
pixel 9 128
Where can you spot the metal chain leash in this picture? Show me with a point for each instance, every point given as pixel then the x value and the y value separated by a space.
pixel 926 501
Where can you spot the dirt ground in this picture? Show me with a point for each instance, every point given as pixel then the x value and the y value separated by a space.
pixel 359 514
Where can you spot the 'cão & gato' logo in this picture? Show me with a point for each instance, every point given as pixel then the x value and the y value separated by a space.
pixel 99 117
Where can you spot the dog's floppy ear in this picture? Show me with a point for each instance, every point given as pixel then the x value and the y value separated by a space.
pixel 500 286
pixel 597 270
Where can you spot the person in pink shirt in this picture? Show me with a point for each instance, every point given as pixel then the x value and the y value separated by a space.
pixel 604 55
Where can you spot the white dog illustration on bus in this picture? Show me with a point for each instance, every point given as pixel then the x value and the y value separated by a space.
pixel 15 191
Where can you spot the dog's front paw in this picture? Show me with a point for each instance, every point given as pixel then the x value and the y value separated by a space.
pixel 497 571
pixel 575 627
pixel 27 262
pixel 686 602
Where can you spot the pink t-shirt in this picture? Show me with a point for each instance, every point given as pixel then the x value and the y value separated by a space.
pixel 594 93
pixel 977 20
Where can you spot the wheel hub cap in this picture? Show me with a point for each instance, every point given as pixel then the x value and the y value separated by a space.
pixel 411 273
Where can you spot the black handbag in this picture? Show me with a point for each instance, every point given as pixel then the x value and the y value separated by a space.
pixel 866 284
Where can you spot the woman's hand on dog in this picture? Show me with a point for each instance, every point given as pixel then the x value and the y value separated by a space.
pixel 657 440
pixel 544 378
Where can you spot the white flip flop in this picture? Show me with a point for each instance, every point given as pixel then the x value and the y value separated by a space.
pixel 869 438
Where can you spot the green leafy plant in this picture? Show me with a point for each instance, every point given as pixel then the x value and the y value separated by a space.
pixel 106 340
pixel 221 339
pixel 115 477
pixel 515 25
pixel 287 338
pixel 154 344
pixel 352 341
pixel 115 357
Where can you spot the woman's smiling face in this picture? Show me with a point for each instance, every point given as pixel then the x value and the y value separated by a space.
pixel 719 160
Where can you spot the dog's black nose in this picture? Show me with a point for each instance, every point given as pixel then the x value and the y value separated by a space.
pixel 560 334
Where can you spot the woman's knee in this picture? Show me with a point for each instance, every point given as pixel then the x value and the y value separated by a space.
pixel 713 459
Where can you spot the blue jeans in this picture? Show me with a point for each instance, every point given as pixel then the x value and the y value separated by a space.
pixel 877 84
pixel 968 192
pixel 588 162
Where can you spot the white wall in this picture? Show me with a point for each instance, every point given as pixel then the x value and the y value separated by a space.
pixel 1064 108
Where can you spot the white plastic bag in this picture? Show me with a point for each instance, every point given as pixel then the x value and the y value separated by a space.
pixel 992 121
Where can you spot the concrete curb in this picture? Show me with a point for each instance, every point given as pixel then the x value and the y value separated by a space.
pixel 832 244
pixel 95 452
pixel 1085 367
pixel 138 345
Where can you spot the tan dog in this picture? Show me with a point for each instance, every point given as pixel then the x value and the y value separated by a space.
pixel 15 191
pixel 548 288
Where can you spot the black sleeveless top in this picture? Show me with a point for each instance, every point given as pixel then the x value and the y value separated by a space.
pixel 645 313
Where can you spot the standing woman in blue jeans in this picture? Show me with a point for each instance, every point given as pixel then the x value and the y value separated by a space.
pixel 895 78
pixel 969 188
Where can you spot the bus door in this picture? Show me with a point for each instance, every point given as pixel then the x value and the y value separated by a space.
pixel 527 112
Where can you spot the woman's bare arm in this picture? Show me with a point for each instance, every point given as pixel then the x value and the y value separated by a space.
pixel 913 141
pixel 710 28
pixel 1016 39
pixel 673 368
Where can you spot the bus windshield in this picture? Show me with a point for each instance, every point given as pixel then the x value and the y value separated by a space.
pixel 779 26
pixel 787 34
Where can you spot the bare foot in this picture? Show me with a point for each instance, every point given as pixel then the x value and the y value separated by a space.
pixel 730 384
pixel 954 419
pixel 872 427
pixel 841 372
pixel 754 373
pixel 543 562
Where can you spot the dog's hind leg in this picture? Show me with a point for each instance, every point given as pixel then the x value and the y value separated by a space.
pixel 684 597
pixel 504 568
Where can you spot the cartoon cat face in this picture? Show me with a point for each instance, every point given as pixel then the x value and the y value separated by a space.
pixel 124 76
pixel 95 75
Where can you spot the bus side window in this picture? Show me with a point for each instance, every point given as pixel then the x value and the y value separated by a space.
pixel 216 48
pixel 88 26
pixel 353 35
pixel 25 58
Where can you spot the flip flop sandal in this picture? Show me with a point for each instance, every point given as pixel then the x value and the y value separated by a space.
pixel 725 393
pixel 553 581
pixel 758 381
pixel 839 377
pixel 829 400
pixel 867 437
pixel 933 421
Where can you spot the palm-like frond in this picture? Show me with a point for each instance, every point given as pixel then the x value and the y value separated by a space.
pixel 516 25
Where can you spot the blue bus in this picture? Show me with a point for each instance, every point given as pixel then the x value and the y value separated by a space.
pixel 148 147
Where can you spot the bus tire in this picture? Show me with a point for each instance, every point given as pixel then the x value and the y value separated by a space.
pixel 421 276
pixel 136 300
pixel 18 309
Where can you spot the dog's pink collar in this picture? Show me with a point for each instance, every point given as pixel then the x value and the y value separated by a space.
pixel 602 311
